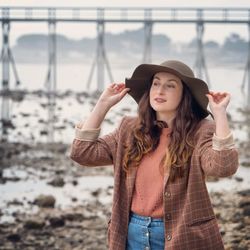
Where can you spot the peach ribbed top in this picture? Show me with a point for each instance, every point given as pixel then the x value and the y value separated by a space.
pixel 147 198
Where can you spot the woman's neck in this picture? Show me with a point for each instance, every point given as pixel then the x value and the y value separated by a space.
pixel 168 120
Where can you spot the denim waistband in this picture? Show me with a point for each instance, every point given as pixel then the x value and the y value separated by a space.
pixel 146 220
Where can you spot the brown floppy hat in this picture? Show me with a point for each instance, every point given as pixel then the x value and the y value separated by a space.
pixel 143 74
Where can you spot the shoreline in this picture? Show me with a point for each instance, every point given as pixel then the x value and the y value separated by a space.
pixel 42 221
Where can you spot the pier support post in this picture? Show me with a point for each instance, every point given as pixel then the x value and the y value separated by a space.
pixel 246 77
pixel 7 60
pixel 148 25
pixel 200 64
pixel 147 54
pixel 101 59
pixel 51 80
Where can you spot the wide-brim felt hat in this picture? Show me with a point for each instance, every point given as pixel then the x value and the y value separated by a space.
pixel 143 74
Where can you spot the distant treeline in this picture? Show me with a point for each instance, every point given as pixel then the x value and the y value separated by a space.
pixel 128 45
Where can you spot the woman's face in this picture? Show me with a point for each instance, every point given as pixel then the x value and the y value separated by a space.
pixel 165 95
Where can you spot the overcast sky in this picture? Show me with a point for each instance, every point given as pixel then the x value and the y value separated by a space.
pixel 141 3
pixel 177 32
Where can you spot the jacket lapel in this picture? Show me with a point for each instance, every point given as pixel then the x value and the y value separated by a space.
pixel 166 178
pixel 130 182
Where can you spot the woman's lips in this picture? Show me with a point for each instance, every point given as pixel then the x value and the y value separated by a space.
pixel 160 100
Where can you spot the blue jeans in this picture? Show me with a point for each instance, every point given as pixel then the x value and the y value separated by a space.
pixel 145 233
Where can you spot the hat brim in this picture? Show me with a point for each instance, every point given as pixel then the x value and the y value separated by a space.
pixel 142 77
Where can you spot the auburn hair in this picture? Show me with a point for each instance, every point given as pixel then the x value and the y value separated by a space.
pixel 145 136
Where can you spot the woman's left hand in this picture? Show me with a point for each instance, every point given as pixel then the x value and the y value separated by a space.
pixel 218 101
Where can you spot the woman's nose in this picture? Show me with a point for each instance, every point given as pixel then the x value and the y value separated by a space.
pixel 160 89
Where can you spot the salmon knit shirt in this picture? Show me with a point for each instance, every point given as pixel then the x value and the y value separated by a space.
pixel 147 198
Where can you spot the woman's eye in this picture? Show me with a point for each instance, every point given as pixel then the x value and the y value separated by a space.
pixel 155 83
pixel 170 86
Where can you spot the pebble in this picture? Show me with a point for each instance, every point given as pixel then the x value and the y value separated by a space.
pixel 245 201
pixel 245 192
pixel 57 222
pixel 34 224
pixel 57 182
pixel 14 237
pixel 45 201
pixel 246 211
pixel 239 179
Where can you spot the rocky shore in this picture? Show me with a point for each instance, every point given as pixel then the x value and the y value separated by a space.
pixel 79 226
pixel 49 202
pixel 83 225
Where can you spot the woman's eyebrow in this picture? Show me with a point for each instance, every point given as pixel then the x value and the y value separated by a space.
pixel 156 77
pixel 170 80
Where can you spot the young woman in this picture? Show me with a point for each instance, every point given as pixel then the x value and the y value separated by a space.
pixel 161 158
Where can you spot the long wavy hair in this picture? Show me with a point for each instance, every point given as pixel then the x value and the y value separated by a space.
pixel 147 130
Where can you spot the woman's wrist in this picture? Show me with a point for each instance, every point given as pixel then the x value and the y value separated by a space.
pixel 221 123
pixel 103 106
pixel 219 114
pixel 96 117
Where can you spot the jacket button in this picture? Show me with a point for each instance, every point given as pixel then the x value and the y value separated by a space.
pixel 168 216
pixel 168 194
pixel 169 237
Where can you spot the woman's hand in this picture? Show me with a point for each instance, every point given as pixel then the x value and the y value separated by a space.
pixel 218 101
pixel 113 94
pixel 109 97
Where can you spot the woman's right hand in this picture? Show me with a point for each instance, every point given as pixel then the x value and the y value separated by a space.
pixel 109 97
pixel 113 94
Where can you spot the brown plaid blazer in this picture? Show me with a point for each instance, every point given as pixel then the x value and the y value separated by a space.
pixel 190 223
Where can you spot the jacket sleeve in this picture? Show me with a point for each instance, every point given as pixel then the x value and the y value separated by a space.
pixel 88 149
pixel 218 156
